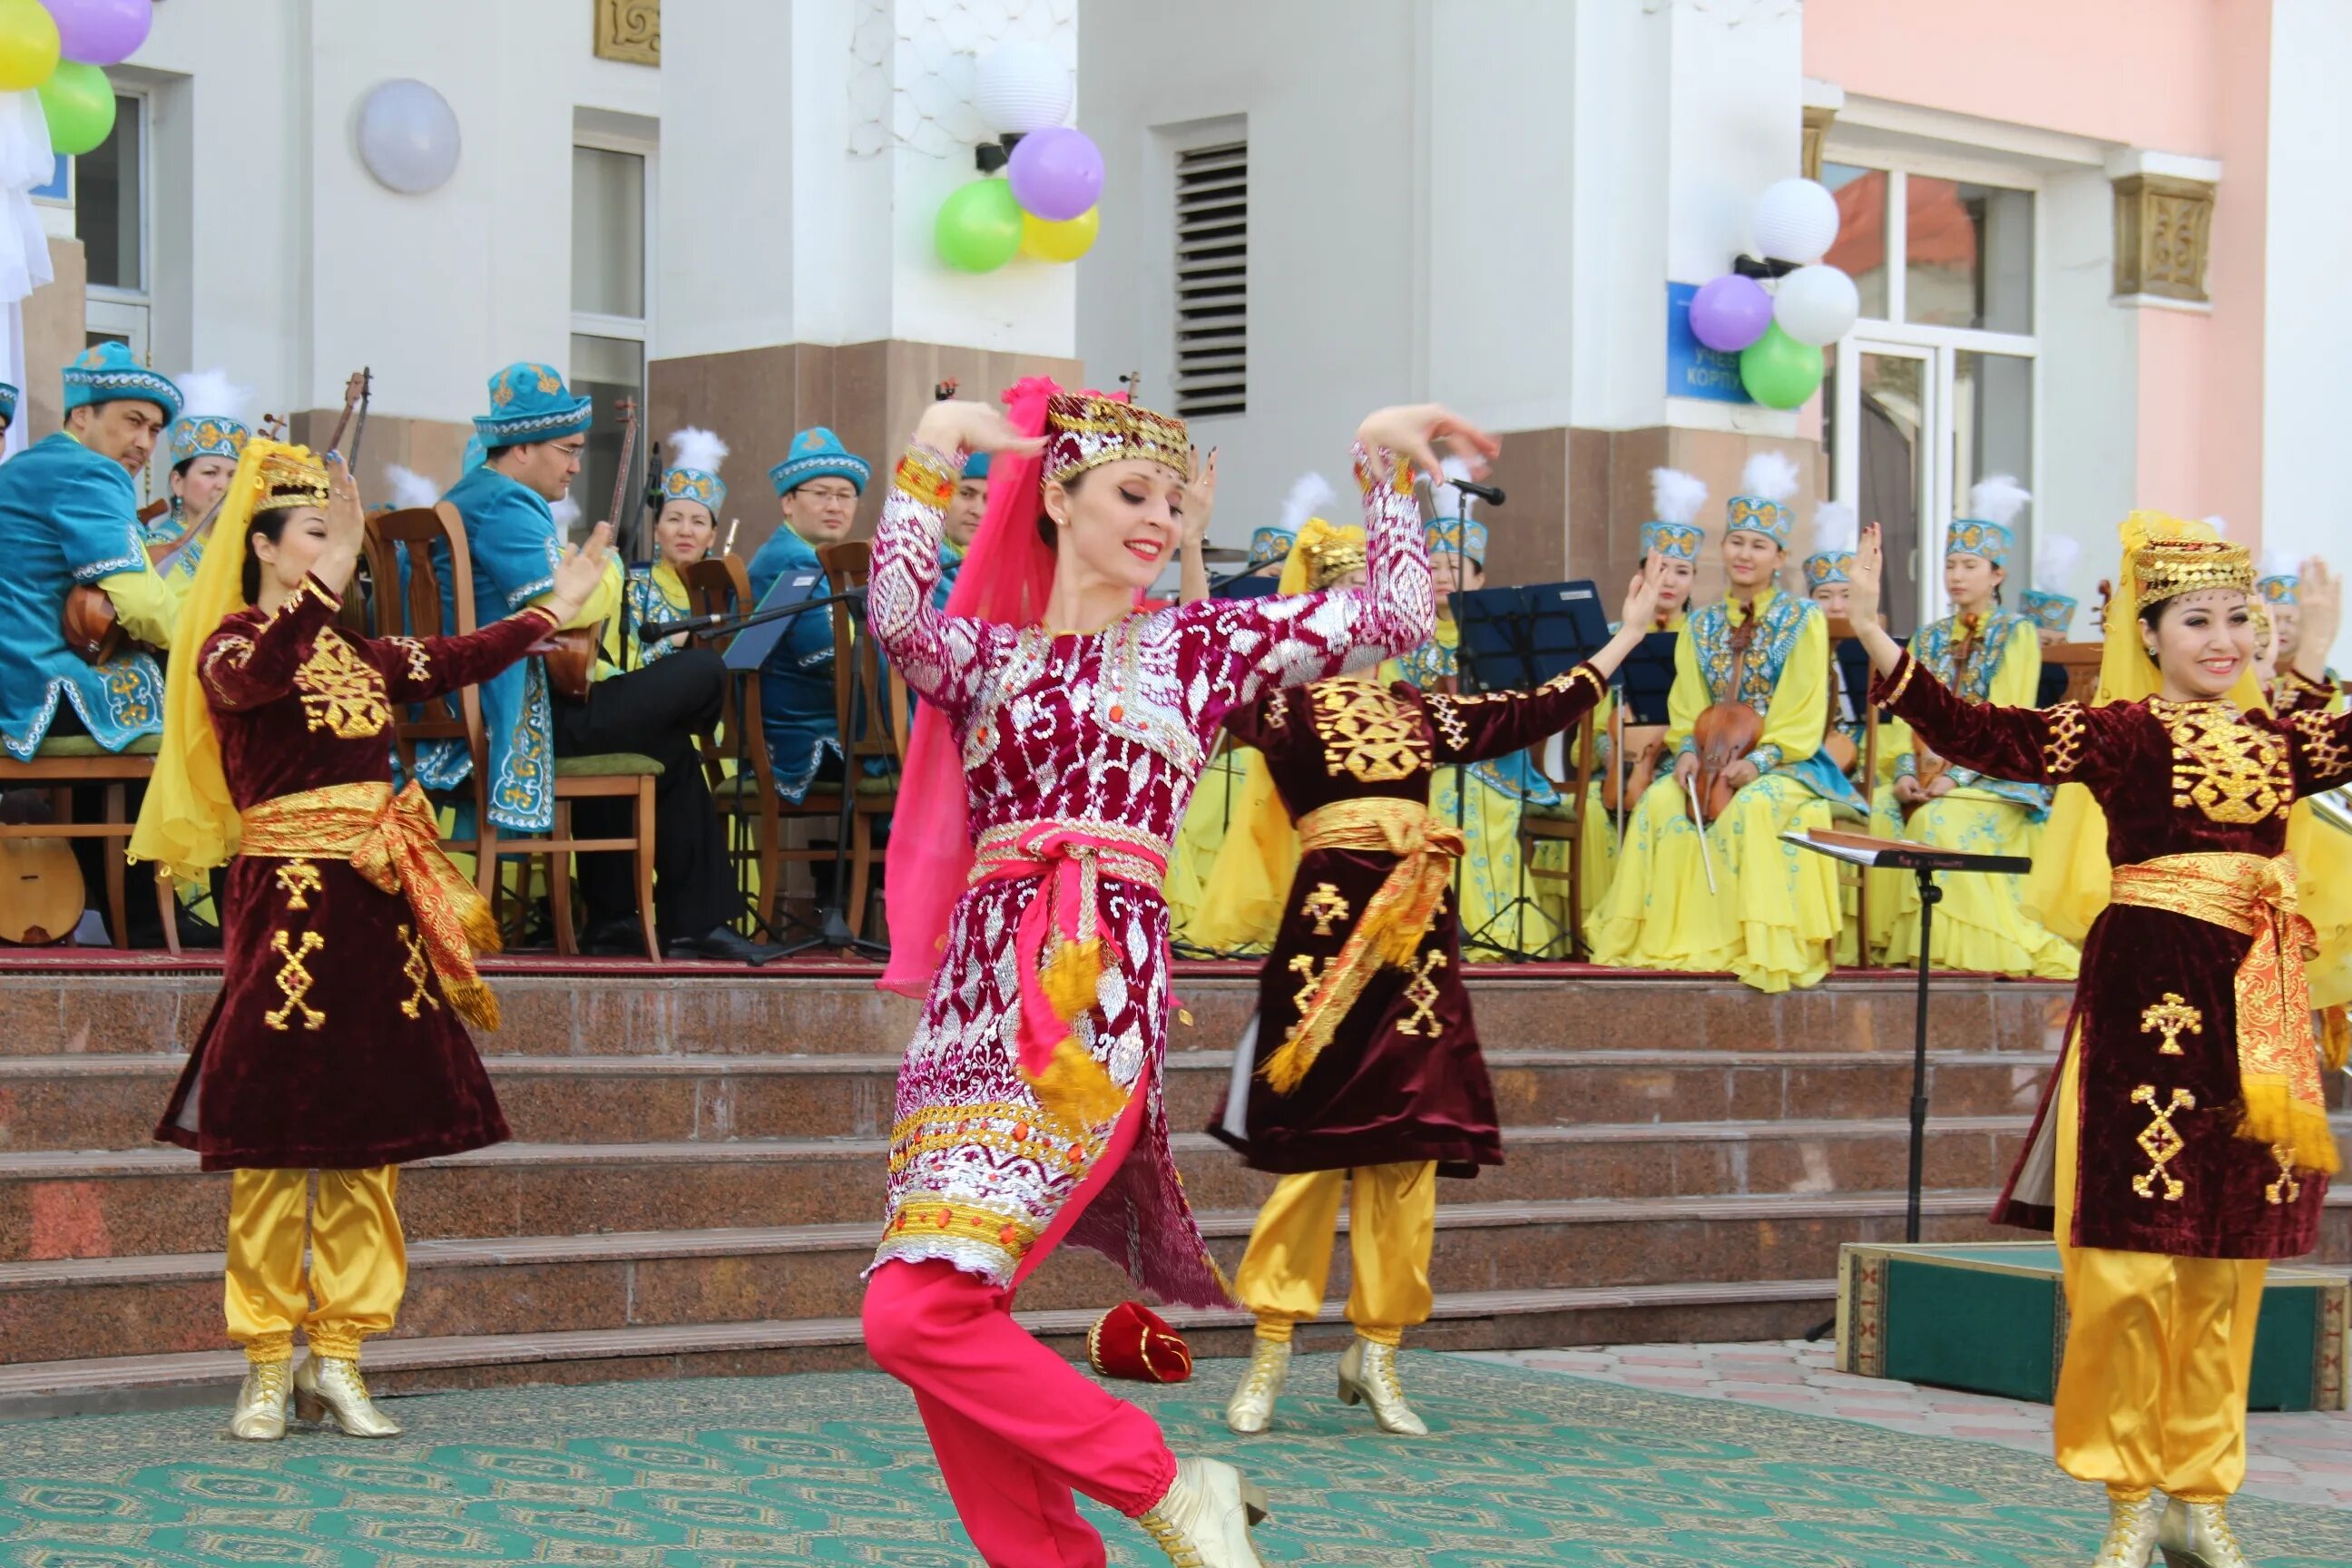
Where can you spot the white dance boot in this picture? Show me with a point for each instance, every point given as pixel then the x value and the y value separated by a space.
pixel 1204 1520
pixel 260 1412
pixel 2131 1532
pixel 2197 1535
pixel 331 1385
pixel 1368 1375
pixel 1251 1409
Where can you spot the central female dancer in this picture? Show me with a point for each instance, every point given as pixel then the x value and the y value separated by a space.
pixel 2185 1140
pixel 1024 897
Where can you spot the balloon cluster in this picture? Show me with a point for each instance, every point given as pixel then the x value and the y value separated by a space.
pixel 59 48
pixel 1044 204
pixel 1778 335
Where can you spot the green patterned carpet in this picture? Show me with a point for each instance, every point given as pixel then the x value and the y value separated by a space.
pixel 1525 1469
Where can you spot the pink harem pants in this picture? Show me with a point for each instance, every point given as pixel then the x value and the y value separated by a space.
pixel 1017 1428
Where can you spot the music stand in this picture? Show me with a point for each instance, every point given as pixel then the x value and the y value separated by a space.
pixel 1924 862
pixel 1515 639
pixel 1248 585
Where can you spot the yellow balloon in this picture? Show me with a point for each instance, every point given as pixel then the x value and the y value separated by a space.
pixel 28 44
pixel 1047 240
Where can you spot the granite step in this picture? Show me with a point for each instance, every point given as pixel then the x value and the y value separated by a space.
pixel 1699 1311
pixel 50 1015
pixel 154 1199
pixel 56 1311
pixel 101 1102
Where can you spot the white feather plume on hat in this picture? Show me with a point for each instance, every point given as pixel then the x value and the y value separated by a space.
pixel 2219 524
pixel 409 488
pixel 1998 498
pixel 1311 495
pixel 1676 496
pixel 1447 499
pixel 695 447
pixel 210 393
pixel 2054 555
pixel 567 513
pixel 1836 527
pixel 2280 562
pixel 1768 476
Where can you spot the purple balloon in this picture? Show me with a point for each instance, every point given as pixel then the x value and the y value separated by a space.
pixel 1057 173
pixel 1730 313
pixel 100 32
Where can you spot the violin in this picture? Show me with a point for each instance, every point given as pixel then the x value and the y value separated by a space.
pixel 2099 615
pixel 572 653
pixel 1725 733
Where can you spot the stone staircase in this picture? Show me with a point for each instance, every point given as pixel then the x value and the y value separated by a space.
pixel 697 1178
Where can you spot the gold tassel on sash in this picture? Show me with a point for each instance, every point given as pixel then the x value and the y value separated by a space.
pixel 1394 923
pixel 394 843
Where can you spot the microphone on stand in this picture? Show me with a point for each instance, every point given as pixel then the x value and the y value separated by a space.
pixel 1491 494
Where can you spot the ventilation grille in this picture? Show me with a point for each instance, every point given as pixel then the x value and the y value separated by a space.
pixel 1212 281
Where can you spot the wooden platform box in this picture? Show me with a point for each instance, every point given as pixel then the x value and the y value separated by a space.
pixel 1990 1318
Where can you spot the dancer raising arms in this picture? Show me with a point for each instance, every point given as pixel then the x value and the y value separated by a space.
pixel 2185 1140
pixel 1060 737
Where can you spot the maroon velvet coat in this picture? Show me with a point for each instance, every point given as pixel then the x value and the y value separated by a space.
pixel 1403 1078
pixel 311 1057
pixel 2174 778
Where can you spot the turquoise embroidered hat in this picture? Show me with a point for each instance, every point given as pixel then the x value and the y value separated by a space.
pixel 695 454
pixel 1673 530
pixel 818 453
pixel 1837 531
pixel 1989 530
pixel 2281 582
pixel 1765 483
pixel 2049 610
pixel 212 423
pixel 529 402
pixel 975 467
pixel 110 372
pixel 1464 536
pixel 7 403
pixel 1270 546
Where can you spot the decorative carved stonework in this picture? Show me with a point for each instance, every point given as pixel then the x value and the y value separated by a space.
pixel 629 31
pixel 1818 118
pixel 2164 231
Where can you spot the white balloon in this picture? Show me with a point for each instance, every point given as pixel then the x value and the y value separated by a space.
pixel 1816 305
pixel 1023 87
pixel 408 136
pixel 1796 220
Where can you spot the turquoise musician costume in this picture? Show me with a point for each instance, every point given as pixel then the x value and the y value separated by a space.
pixel 691 494
pixel 796 681
pixel 336 1044
pixel 8 396
pixel 205 441
pixel 2185 1140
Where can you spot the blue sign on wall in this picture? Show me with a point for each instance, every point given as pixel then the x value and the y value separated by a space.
pixel 1693 369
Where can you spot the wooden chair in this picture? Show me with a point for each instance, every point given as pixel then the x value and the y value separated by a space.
pixel 622 775
pixel 1563 823
pixel 871 708
pixel 2081 662
pixel 748 795
pixel 66 761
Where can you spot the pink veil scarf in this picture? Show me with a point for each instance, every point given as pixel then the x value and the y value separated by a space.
pixel 1007 576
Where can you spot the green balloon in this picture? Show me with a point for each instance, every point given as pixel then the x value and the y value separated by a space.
pixel 1778 371
pixel 78 103
pixel 979 227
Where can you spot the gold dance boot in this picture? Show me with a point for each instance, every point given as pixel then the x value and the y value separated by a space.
pixel 260 1412
pixel 2131 1532
pixel 1368 1374
pixel 1251 1408
pixel 1204 1520
pixel 2197 1535
pixel 331 1385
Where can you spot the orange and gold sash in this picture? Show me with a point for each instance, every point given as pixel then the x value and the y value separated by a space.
pixel 2278 1065
pixel 1392 925
pixel 395 842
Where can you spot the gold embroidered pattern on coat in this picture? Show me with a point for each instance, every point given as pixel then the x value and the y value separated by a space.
pixel 1323 905
pixel 1422 992
pixel 2160 1141
pixel 341 693
pixel 2324 755
pixel 1367 732
pixel 413 970
pixel 295 980
pixel 232 648
pixel 1446 714
pixel 2222 765
pixel 2170 1017
pixel 1309 970
pixel 2286 1189
pixel 297 879
pixel 420 667
pixel 2061 753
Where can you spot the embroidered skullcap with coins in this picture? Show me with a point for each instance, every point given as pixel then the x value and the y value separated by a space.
pixel 1086 430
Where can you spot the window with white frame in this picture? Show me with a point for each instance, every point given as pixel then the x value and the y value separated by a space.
pixel 112 219
pixel 1935 387
pixel 611 190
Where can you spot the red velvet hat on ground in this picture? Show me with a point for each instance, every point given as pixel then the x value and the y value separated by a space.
pixel 1131 1342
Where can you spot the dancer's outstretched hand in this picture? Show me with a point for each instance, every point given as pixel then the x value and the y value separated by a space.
pixel 956 425
pixel 2322 596
pixel 1427 433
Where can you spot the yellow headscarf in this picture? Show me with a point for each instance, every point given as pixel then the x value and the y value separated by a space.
pixel 188 824
pixel 1241 901
pixel 2070 881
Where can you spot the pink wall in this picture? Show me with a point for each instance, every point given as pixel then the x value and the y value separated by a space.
pixel 2171 76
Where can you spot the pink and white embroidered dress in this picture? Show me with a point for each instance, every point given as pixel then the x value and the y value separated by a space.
pixel 1102 735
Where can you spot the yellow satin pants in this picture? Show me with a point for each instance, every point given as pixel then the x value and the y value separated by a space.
pixel 2160 1351
pixel 358 1260
pixel 1391 1227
